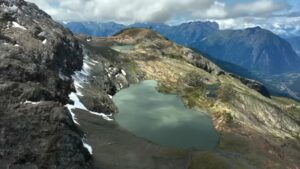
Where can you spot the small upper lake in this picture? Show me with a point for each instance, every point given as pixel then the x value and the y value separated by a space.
pixel 163 118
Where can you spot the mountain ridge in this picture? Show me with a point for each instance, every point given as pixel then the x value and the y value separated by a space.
pixel 260 67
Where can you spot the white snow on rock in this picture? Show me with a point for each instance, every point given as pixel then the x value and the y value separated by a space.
pixel 17 25
pixel 104 116
pixel 30 102
pixel 77 85
pixel 17 45
pixel 79 105
pixel 87 146
pixel 86 67
pixel 44 42
pixel 94 61
pixel 80 78
pixel 123 72
pixel 70 108
pixel 90 63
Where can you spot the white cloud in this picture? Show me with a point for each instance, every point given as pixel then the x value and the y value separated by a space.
pixel 216 10
pixel 124 11
pixel 155 11
pixel 258 7
pixel 280 25
pixel 271 14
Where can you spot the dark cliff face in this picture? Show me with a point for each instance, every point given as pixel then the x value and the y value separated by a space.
pixel 37 58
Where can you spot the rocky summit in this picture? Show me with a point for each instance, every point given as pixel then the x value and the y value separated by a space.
pixel 56 109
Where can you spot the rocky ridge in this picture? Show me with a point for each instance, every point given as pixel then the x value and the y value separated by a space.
pixel 37 59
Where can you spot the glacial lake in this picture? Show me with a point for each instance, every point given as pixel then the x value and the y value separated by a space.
pixel 163 118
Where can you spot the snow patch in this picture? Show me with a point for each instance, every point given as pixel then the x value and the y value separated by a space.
pixel 91 63
pixel 104 116
pixel 77 85
pixel 70 108
pixel 94 61
pixel 30 102
pixel 17 25
pixel 110 96
pixel 80 78
pixel 123 72
pixel 16 45
pixel 79 105
pixel 44 42
pixel 87 146
pixel 86 67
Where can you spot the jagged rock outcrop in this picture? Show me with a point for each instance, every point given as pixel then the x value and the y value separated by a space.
pixel 37 57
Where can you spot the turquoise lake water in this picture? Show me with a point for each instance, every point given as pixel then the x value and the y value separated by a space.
pixel 163 118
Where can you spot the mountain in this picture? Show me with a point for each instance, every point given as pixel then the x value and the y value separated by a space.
pixel 295 42
pixel 255 49
pixel 56 109
pixel 94 28
pixel 185 33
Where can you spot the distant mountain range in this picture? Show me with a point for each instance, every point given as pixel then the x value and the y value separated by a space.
pixel 254 53
pixel 94 28
pixel 255 49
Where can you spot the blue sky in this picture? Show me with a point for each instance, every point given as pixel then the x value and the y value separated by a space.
pixel 280 16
